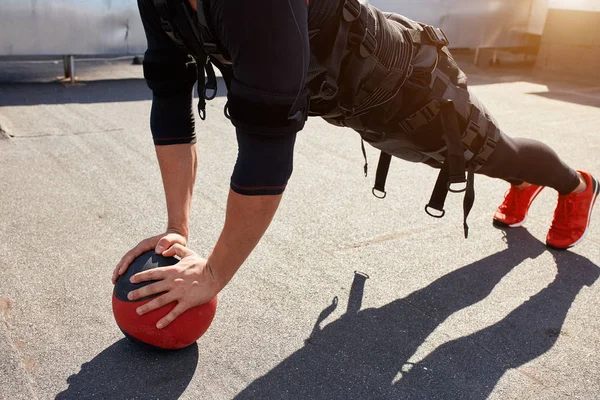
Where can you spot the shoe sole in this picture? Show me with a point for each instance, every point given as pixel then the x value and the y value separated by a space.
pixel 500 224
pixel 596 193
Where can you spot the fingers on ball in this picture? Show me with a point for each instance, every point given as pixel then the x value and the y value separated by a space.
pixel 170 317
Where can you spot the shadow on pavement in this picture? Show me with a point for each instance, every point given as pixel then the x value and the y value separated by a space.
pixel 364 354
pixel 100 91
pixel 582 99
pixel 127 371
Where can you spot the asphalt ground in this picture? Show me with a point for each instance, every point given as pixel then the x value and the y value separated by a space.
pixel 497 316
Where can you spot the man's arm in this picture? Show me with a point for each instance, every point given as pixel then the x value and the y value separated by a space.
pixel 178 164
pixel 246 221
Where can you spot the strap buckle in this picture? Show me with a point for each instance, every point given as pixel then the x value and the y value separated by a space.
pixel 422 117
pixel 351 10
pixel 368 45
pixel 486 150
pixel 436 35
pixel 211 48
pixel 471 132
pixel 166 26
pixel 490 143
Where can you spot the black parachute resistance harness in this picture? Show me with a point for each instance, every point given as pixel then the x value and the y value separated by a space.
pixel 190 32
pixel 464 153
pixel 366 92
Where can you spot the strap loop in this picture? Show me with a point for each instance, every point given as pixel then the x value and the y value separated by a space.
pixel 440 213
pixel 436 35
pixel 328 90
pixel 364 152
pixel 463 187
pixel 368 45
pixel 211 83
pixel 374 191
pixel 469 199
pixel 226 111
pixel 383 167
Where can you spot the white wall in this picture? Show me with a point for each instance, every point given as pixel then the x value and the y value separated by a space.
pixel 537 20
pixel 475 23
pixel 584 5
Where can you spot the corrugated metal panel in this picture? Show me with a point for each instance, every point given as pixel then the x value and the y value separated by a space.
pixel 57 27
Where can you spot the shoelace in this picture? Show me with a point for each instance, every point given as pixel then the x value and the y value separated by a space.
pixel 511 200
pixel 565 210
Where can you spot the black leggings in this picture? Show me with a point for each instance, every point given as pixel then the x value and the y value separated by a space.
pixel 515 160
pixel 519 160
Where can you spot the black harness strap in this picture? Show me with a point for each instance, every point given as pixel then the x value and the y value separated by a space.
pixel 469 199
pixel 190 31
pixel 202 90
pixel 428 36
pixel 453 170
pixel 163 10
pixel 360 64
pixel 364 152
pixel 440 192
pixel 454 166
pixel 383 167
pixel 211 45
pixel 411 124
pixel 350 12
pixel 454 157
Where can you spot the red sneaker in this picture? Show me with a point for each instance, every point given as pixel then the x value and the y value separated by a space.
pixel 512 213
pixel 572 216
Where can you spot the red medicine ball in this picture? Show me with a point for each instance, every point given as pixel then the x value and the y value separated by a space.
pixel 182 332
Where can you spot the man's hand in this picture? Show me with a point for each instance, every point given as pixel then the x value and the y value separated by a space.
pixel 159 243
pixel 190 283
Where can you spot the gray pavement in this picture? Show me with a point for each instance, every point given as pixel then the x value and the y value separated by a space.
pixel 496 316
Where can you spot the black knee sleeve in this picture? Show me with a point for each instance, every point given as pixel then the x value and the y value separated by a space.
pixel 172 116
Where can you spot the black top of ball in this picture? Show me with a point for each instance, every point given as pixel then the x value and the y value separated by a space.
pixel 146 261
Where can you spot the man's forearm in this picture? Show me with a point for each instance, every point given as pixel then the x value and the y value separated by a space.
pixel 178 164
pixel 247 219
